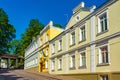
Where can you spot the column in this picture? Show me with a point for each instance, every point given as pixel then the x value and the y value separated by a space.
pixel 0 62
pixel 16 63
pixel 92 39
pixel 8 63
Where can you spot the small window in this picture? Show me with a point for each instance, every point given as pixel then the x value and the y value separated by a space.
pixel 82 33
pixel 102 23
pixel 104 77
pixel 46 52
pixel 46 37
pixel 72 38
pixel 46 64
pixel 83 59
pixel 53 48
pixel 72 61
pixel 53 65
pixel 103 54
pixel 59 63
pixel 60 45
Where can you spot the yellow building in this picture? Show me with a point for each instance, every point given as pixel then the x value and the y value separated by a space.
pixel 48 33
pixel 89 48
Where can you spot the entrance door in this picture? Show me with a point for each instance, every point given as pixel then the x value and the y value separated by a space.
pixel 41 67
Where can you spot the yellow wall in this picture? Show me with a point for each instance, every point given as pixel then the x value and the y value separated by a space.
pixel 52 32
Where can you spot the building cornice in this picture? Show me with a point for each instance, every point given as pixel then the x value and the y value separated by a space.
pixel 88 44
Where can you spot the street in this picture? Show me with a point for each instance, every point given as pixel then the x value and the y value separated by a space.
pixel 27 75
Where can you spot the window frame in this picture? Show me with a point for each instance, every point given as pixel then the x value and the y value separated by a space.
pixel 59 63
pixel 53 48
pixel 46 64
pixel 81 65
pixel 71 38
pixel 60 45
pixel 53 65
pixel 80 33
pixel 99 31
pixel 100 61
pixel 72 62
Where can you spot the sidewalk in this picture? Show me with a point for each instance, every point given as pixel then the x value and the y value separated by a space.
pixel 52 76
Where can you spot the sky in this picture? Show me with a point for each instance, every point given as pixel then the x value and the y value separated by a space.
pixel 20 12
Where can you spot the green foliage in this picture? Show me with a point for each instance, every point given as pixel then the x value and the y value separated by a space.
pixel 7 32
pixel 32 31
pixel 58 25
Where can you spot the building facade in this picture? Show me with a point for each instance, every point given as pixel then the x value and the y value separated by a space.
pixel 90 45
pixel 31 55
pixel 48 33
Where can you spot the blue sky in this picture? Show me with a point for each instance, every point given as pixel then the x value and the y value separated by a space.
pixel 20 12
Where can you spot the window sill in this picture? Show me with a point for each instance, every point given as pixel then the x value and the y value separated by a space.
pixel 72 68
pixel 72 45
pixel 59 50
pixel 103 64
pixel 82 67
pixel 60 69
pixel 53 53
pixel 101 32
pixel 52 70
pixel 82 41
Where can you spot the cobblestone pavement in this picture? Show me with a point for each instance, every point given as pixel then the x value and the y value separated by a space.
pixel 27 75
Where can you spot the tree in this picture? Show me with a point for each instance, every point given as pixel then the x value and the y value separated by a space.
pixel 32 31
pixel 7 32
pixel 58 25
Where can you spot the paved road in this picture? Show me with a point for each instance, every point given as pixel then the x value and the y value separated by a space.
pixel 27 75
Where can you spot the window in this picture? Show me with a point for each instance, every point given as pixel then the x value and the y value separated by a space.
pixel 72 61
pixel 36 60
pixel 105 77
pixel 102 23
pixel 82 33
pixel 41 41
pixel 60 45
pixel 59 63
pixel 72 38
pixel 46 64
pixel 103 54
pixel 82 59
pixel 46 52
pixel 46 37
pixel 53 48
pixel 53 65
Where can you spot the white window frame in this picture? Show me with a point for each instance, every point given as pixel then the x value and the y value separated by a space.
pixel 71 61
pixel 46 52
pixel 53 65
pixel 60 63
pixel 53 48
pixel 71 40
pixel 80 32
pixel 60 45
pixel 100 56
pixel 98 18
pixel 81 59
pixel 46 37
pixel 46 64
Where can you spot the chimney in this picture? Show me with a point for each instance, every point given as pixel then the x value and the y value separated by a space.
pixel 82 4
pixel 51 23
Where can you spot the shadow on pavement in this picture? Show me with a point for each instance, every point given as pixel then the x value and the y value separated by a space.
pixel 4 75
pixel 9 77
